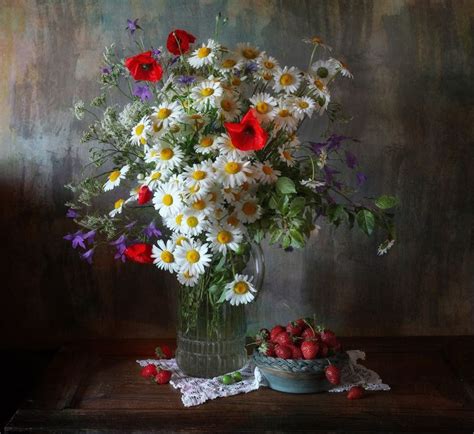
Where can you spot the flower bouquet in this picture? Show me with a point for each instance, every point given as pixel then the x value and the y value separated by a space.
pixel 200 162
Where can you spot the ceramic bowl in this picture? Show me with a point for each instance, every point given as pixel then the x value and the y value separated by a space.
pixel 298 376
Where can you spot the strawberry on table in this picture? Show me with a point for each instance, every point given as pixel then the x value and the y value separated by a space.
pixel 163 376
pixel 148 371
pixel 163 352
pixel 355 392
pixel 310 349
pixel 333 374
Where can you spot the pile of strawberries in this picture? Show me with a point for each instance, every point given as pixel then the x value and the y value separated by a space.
pixel 160 376
pixel 302 339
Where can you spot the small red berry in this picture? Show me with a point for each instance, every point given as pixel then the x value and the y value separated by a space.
pixel 323 351
pixel 333 374
pixel 329 338
pixel 164 352
pixel 309 333
pixel 296 352
pixel 294 329
pixel 283 339
pixel 355 392
pixel 283 352
pixel 163 376
pixel 148 371
pixel 275 331
pixel 310 349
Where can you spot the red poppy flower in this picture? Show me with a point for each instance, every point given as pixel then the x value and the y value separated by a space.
pixel 140 253
pixel 178 42
pixel 144 195
pixel 248 134
pixel 144 66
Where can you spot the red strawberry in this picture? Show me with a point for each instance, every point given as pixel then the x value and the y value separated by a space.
pixel 262 336
pixel 333 374
pixel 329 338
pixel 310 333
pixel 324 350
pixel 163 376
pixel 148 371
pixel 301 323
pixel 337 348
pixel 355 392
pixel 267 349
pixel 294 329
pixel 283 339
pixel 275 331
pixel 283 352
pixel 309 349
pixel 296 352
pixel 164 352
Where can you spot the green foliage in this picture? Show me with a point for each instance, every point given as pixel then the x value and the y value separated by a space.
pixel 386 202
pixel 366 221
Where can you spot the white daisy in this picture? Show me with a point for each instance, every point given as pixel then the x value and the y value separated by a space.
pixel 266 174
pixel 203 205
pixel 115 177
pixel 324 70
pixel 321 92
pixel 187 279
pixel 304 106
pixel 286 156
pixel 248 210
pixel 178 239
pixel 206 94
pixel 240 290
pixel 223 238
pixel 341 67
pixel 264 105
pixel 268 66
pixel 229 63
pixel 167 200
pixel 206 144
pixel 193 222
pixel 229 107
pixel 192 257
pixel 247 52
pixel 156 177
pixel 316 40
pixel 118 207
pixel 168 113
pixel 196 120
pixel 287 80
pixel 204 55
pixel 226 147
pixel 174 222
pixel 199 174
pixel 285 116
pixel 140 131
pixel 166 157
pixel 231 170
pixel 163 256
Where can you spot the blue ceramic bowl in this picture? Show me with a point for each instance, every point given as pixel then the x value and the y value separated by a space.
pixel 298 376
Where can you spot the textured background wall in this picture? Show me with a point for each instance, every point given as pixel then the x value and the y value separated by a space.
pixel 413 106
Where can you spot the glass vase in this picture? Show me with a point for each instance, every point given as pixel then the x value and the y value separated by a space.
pixel 211 336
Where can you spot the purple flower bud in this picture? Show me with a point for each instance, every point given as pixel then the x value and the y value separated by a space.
pixel 132 26
pixel 351 160
pixel 143 92
pixel 87 256
pixel 72 213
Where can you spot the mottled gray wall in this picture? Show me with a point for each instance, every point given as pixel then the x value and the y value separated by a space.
pixel 412 102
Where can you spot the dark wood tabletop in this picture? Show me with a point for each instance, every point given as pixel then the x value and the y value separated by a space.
pixel 95 386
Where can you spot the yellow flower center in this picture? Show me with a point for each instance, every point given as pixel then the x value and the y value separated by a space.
pixel 143 140
pixel 155 176
pixel 267 170
pixel 284 113
pixel 226 105
pixel 236 81
pixel 207 91
pixel 249 208
pixel 319 84
pixel 224 237
pixel 316 40
pixel 192 221
pixel 249 53
pixel 193 256
pixel 118 204
pixel 228 63
pixel 287 155
pixel 187 275
pixel 241 288
pixel 286 79
pixel 179 219
pixel 163 113
pixel 194 188
pixel 199 205
pixel 233 220
pixel 267 76
pixel 206 142
pixel 199 175
pixel 262 107
pixel 157 127
pixel 167 200
pixel 114 175
pixel 179 240
pixel 303 104
pixel 268 64
pixel 203 52
pixel 166 154
pixel 174 128
pixel 167 256
pixel 139 129
pixel 232 167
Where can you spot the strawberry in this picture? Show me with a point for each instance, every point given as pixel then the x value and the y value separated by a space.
pixel 329 338
pixel 309 349
pixel 262 336
pixel 283 339
pixel 301 323
pixel 267 349
pixel 164 352
pixel 309 333
pixel 294 329
pixel 337 348
pixel 283 352
pixel 295 352
pixel 355 392
pixel 324 350
pixel 333 374
pixel 148 371
pixel 163 376
pixel 275 331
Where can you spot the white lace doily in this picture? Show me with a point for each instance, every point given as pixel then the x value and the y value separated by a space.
pixel 196 391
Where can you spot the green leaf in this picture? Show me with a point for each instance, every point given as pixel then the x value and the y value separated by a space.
pixel 297 237
pixel 273 203
pixel 220 264
pixel 222 297
pixel 386 202
pixel 297 205
pixel 286 241
pixel 213 289
pixel 285 185
pixel 366 221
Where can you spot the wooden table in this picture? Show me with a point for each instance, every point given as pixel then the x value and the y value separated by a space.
pixel 95 387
